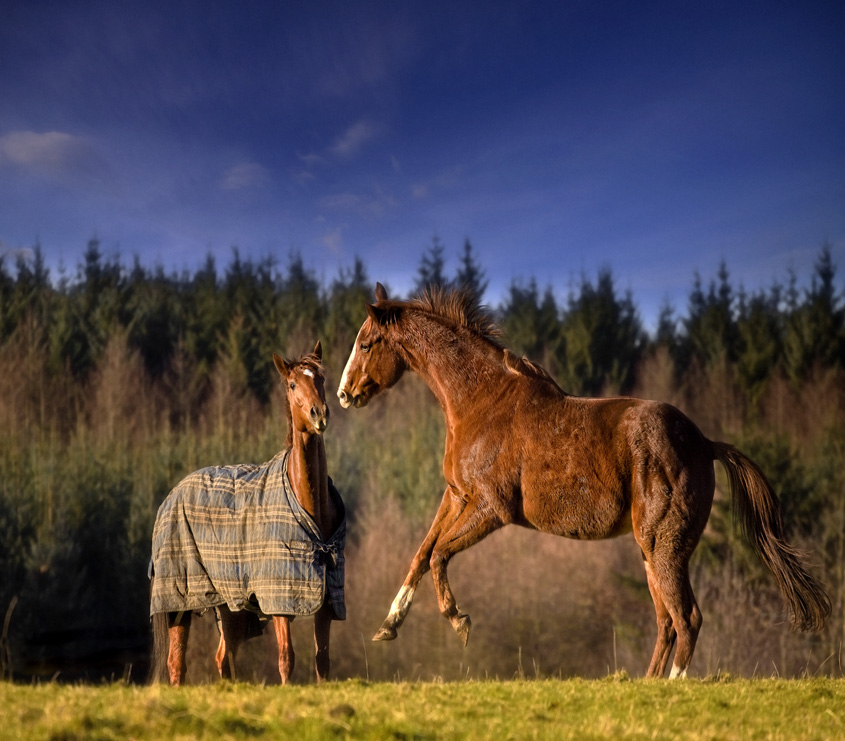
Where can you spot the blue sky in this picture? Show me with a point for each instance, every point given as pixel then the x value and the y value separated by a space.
pixel 654 138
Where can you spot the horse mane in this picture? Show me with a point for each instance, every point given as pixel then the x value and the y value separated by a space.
pixel 459 306
pixel 524 366
pixel 306 362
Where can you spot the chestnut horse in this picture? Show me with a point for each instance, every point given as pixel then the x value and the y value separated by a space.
pixel 519 450
pixel 305 468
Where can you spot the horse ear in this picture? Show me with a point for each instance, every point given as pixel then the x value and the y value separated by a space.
pixel 281 365
pixel 318 350
pixel 381 294
pixel 378 315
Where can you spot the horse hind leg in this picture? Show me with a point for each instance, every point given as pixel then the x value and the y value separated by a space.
pixel 688 622
pixel 665 630
pixel 232 627
pixel 675 590
pixel 669 515
pixel 322 632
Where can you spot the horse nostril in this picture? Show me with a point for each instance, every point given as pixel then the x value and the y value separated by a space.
pixel 342 396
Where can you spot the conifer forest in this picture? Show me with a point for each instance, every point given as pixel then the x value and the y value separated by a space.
pixel 117 379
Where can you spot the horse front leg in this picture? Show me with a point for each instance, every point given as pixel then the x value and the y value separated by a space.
pixel 419 566
pixel 178 629
pixel 287 658
pixel 322 632
pixel 471 526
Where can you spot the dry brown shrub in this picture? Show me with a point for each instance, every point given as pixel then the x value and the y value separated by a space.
pixel 231 413
pixel 122 405
pixel 32 399
pixel 656 378
pixel 806 412
pixel 746 629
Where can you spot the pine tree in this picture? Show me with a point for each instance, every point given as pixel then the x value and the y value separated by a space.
pixel 710 328
pixel 470 275
pixel 666 334
pixel 760 334
pixel 301 310
pixel 815 329
pixel 520 320
pixel 430 273
pixel 603 336
pixel 153 315
pixel 349 294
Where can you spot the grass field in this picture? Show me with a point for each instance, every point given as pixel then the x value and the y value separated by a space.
pixel 611 708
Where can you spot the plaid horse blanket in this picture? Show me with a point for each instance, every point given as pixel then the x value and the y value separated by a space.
pixel 237 535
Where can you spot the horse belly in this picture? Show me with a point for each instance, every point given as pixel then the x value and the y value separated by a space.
pixel 581 509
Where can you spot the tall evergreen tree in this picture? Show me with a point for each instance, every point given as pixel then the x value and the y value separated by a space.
pixel 349 293
pixel 153 316
pixel 430 273
pixel 470 275
pixel 207 314
pixel 815 329
pixel 520 320
pixel 29 293
pixel 603 336
pixel 666 333
pixel 7 289
pixel 95 302
pixel 760 334
pixel 301 308
pixel 710 333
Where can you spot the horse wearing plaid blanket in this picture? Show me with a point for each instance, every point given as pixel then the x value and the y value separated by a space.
pixel 254 541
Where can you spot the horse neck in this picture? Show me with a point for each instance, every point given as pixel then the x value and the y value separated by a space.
pixel 309 478
pixel 456 366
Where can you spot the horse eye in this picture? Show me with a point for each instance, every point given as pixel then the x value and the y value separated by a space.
pixel 365 346
pixel 292 385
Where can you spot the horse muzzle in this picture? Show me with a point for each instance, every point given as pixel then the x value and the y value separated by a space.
pixel 319 419
pixel 348 400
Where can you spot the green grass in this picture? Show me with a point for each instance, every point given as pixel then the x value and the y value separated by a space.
pixel 561 709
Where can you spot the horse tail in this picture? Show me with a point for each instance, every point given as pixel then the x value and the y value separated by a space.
pixel 757 511
pixel 158 659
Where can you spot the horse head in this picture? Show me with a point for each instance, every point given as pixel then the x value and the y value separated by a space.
pixel 374 363
pixel 305 387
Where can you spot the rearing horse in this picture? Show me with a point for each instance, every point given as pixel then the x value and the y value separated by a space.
pixel 252 540
pixel 519 450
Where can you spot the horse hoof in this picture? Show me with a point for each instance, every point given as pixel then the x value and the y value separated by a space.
pixel 385 633
pixel 462 624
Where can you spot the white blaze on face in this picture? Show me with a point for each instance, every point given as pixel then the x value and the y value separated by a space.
pixel 308 372
pixel 344 379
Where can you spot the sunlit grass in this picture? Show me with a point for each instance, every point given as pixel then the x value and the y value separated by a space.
pixel 615 707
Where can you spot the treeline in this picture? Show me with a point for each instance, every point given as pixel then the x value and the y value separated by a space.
pixel 118 380
pixel 592 342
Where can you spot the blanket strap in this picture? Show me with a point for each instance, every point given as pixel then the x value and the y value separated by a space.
pixel 327 552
